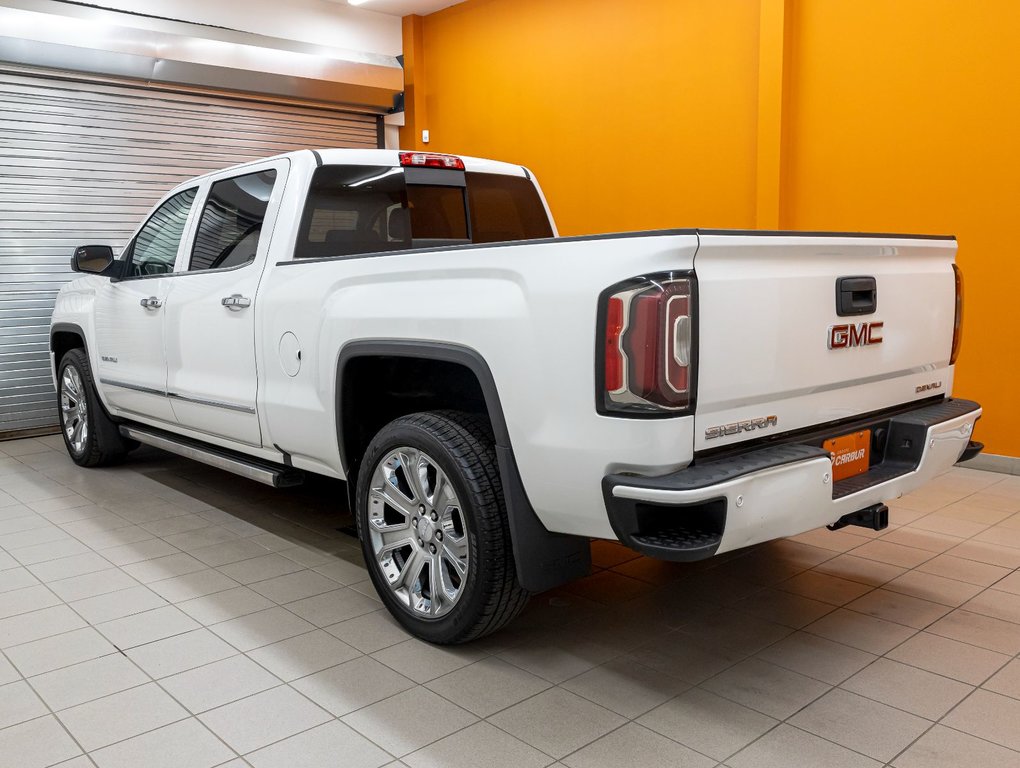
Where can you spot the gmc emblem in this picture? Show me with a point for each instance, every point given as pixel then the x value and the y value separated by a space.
pixel 854 335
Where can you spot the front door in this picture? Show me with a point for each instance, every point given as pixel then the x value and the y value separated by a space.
pixel 212 377
pixel 130 315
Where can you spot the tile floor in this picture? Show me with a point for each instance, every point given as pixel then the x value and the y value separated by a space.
pixel 165 614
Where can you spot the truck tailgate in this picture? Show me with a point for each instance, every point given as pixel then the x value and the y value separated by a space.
pixel 775 355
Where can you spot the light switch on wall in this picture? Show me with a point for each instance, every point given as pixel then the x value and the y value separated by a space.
pixel 425 136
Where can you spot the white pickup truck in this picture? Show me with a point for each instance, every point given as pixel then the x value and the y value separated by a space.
pixel 496 395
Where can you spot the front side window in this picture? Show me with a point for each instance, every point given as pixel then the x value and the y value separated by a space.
pixel 154 249
pixel 231 224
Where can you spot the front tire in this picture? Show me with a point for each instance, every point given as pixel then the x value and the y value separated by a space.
pixel 434 529
pixel 91 437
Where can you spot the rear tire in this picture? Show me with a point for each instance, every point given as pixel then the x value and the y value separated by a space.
pixel 90 435
pixel 434 529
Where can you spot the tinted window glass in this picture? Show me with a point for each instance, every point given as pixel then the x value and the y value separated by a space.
pixel 154 249
pixel 231 223
pixel 354 209
pixel 505 208
pixel 437 213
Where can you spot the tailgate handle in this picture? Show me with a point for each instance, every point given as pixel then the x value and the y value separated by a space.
pixel 856 296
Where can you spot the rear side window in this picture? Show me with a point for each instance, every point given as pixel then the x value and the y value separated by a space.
pixel 154 249
pixel 354 209
pixel 505 208
pixel 231 224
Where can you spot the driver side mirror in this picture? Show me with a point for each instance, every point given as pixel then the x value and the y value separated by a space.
pixel 95 260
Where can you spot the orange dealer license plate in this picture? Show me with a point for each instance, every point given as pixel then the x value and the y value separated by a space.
pixel 850 454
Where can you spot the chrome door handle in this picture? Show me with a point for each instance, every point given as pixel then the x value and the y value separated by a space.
pixel 235 302
pixel 151 303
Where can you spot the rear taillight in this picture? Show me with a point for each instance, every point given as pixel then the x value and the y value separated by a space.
pixel 431 160
pixel 647 343
pixel 958 319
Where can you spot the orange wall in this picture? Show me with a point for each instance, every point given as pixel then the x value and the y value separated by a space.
pixel 905 116
pixel 900 116
pixel 633 115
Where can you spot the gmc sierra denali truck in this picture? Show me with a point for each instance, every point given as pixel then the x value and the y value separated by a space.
pixel 494 395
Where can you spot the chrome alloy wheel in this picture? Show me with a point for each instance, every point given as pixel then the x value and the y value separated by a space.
pixel 74 409
pixel 418 532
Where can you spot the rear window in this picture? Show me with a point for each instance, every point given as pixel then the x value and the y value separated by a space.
pixel 352 210
pixel 505 208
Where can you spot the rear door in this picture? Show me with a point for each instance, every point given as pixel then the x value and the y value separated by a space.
pixel 776 353
pixel 212 371
pixel 130 313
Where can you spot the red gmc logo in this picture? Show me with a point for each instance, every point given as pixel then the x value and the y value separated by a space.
pixel 858 335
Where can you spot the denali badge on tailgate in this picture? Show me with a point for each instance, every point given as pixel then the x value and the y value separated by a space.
pixel 741 426
pixel 845 335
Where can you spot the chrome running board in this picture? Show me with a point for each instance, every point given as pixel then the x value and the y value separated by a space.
pixel 276 475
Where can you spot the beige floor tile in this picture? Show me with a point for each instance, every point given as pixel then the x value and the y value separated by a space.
pixel 948 525
pixel 862 570
pixel 1006 681
pixel 320 746
pixel 983 552
pixel 264 718
pixel 921 539
pixel 333 607
pixel 789 747
pixel 16 577
pixel 679 656
pixel 824 587
pixel 294 586
pixel 626 687
pixel 117 605
pixel 19 703
pixel 557 722
pixel 41 553
pixel 177 589
pixel 387 722
pixel 145 627
pixel 883 551
pixel 963 569
pixel 8 673
pixel 421 662
pixel 555 662
pixel 858 630
pixel 169 566
pixel 908 688
pixel 937 589
pixel 262 628
pixel 36 744
pixel 371 632
pixel 784 608
pixel 860 724
pixel 69 567
pixel 977 629
pixel 767 688
pixel 260 568
pixel 1010 583
pixel 707 723
pixel 899 608
pixel 219 683
pixel 949 658
pixel 180 653
pixel 59 651
pixel 136 552
pixel 943 747
pixel 477 743
pixel 352 685
pixel 92 584
pixel 238 550
pixel 817 657
pixel 998 604
pixel 26 627
pixel 303 655
pixel 1002 534
pixel 489 685
pixel 186 743
pixel 26 599
pixel 987 511
pixel 226 605
pixel 343 571
pixel 636 747
pixel 121 716
pixel 70 686
pixel 988 716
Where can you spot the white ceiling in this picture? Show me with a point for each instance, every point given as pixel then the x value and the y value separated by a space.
pixel 404 7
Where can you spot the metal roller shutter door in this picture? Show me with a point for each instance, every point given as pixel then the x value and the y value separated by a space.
pixel 82 162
